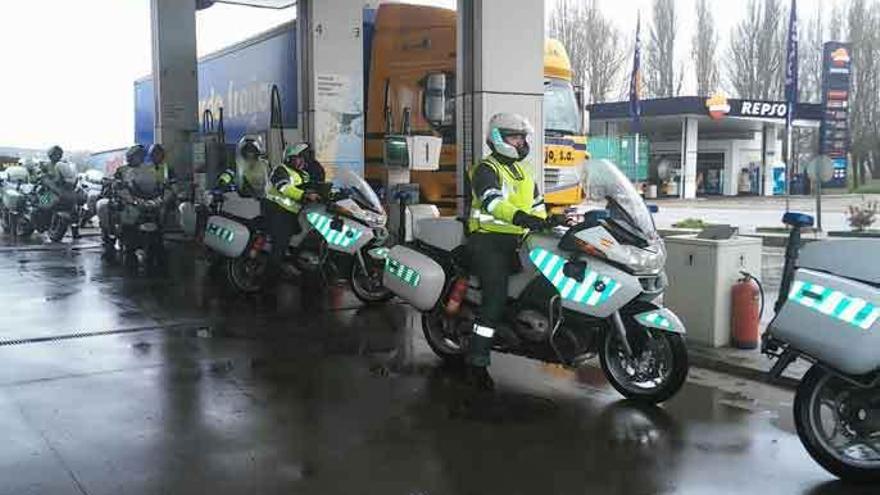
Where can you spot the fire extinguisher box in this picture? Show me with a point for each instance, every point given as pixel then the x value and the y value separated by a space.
pixel 701 275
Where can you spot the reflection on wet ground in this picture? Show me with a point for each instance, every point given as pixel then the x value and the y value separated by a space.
pixel 180 386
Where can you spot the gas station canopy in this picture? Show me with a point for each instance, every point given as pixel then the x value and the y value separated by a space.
pixel 263 4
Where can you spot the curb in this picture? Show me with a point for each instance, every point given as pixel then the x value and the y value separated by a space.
pixel 698 360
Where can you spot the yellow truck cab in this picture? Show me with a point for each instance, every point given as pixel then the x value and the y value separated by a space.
pixel 413 45
pixel 565 143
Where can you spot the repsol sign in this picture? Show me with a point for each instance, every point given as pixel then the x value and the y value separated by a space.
pixel 757 108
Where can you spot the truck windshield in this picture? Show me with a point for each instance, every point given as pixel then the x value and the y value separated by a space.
pixel 560 108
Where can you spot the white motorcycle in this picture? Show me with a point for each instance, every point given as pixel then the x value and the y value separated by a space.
pixel 342 229
pixel 593 288
pixel 828 313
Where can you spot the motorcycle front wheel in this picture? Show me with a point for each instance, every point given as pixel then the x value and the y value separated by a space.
pixel 368 286
pixel 839 425
pixel 57 228
pixel 245 274
pixel 656 370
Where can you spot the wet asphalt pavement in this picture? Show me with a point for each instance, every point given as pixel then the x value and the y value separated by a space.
pixel 117 381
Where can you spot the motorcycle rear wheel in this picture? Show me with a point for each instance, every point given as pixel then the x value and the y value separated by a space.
pixel 441 338
pixel 655 372
pixel 246 274
pixel 849 410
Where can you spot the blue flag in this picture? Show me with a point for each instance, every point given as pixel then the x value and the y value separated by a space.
pixel 791 64
pixel 635 82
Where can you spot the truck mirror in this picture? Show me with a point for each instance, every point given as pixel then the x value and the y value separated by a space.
pixel 435 98
pixel 396 151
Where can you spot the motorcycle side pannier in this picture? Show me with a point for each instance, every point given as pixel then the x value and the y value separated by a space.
pixel 414 277
pixel 226 236
pixel 833 319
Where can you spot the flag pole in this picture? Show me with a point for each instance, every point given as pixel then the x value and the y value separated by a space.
pixel 791 95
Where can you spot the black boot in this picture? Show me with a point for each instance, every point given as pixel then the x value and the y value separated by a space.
pixel 478 378
pixel 476 374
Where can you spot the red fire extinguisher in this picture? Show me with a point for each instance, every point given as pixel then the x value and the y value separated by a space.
pixel 456 295
pixel 746 311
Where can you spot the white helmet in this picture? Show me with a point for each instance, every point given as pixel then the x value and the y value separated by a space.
pixel 249 148
pixel 502 125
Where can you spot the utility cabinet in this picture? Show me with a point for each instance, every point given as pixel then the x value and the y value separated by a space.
pixel 701 275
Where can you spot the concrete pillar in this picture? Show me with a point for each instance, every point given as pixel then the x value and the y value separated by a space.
pixel 772 154
pixel 500 69
pixel 691 132
pixel 175 80
pixel 732 168
pixel 331 81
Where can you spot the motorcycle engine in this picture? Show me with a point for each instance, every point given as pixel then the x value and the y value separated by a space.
pixel 532 325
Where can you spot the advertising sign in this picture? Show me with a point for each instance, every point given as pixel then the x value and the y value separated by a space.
pixel 834 134
pixel 239 80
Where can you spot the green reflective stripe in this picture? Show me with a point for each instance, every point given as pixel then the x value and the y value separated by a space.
pixel 654 318
pixel 402 272
pixel 551 267
pixel 835 304
pixel 323 224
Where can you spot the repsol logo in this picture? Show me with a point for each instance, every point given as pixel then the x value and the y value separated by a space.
pixel 763 109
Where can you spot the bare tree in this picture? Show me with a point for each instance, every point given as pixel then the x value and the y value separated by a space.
pixel 863 23
pixel 836 25
pixel 592 43
pixel 806 140
pixel 703 50
pixel 755 57
pixel 661 79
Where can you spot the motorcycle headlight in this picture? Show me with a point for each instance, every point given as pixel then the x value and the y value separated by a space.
pixel 644 260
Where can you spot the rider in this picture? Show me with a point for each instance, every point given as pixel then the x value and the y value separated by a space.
pixel 55 153
pixel 506 204
pixel 165 177
pixel 311 164
pixel 250 173
pixel 285 195
pixel 123 179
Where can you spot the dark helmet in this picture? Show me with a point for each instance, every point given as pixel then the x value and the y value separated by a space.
pixel 157 154
pixel 55 153
pixel 135 155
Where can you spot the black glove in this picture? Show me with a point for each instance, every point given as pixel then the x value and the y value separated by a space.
pixel 558 219
pixel 531 222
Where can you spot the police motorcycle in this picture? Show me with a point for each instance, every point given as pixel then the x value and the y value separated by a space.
pixel 828 313
pixel 592 288
pixel 16 189
pixel 346 225
pixel 53 206
pixel 89 186
pixel 130 214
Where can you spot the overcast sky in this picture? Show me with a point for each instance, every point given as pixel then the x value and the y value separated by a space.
pixel 68 66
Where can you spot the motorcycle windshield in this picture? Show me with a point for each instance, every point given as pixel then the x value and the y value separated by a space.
pixel 358 189
pixel 606 187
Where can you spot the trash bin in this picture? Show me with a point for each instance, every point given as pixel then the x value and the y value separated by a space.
pixel 701 274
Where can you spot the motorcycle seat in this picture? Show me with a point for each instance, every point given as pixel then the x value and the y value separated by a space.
pixel 442 233
pixel 795 219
